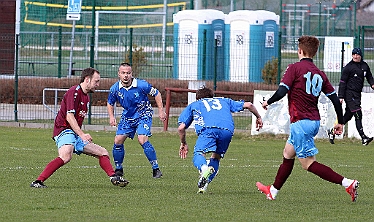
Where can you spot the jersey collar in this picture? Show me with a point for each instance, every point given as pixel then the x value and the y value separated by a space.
pixel 133 84
pixel 307 59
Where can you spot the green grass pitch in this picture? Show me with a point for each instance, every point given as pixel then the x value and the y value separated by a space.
pixel 81 191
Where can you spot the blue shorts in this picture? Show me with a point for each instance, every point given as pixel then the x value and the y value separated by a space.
pixel 302 135
pixel 141 126
pixel 68 136
pixel 213 140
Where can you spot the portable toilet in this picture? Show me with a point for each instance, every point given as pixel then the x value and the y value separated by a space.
pixel 195 35
pixel 270 34
pixel 248 43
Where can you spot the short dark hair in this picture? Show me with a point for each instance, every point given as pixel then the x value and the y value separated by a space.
pixel 309 44
pixel 204 92
pixel 125 64
pixel 88 72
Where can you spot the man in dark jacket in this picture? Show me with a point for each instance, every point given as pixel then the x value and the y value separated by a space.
pixel 350 88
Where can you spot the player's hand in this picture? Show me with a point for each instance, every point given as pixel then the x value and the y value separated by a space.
pixel 259 123
pixel 162 116
pixel 183 150
pixel 338 129
pixel 265 105
pixel 341 101
pixel 112 122
pixel 86 137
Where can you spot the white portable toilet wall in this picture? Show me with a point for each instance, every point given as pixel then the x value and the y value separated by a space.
pixel 245 44
pixel 194 33
pixel 239 25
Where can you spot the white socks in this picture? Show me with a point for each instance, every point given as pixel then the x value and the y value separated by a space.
pixel 346 182
pixel 204 168
pixel 273 191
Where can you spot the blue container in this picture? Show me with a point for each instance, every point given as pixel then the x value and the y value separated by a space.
pixel 194 44
pixel 218 26
pixel 248 44
pixel 271 35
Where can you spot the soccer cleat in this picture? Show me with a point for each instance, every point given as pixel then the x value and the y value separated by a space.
pixel 118 181
pixel 204 177
pixel 38 184
pixel 157 173
pixel 331 135
pixel 266 190
pixel 366 141
pixel 203 189
pixel 119 172
pixel 352 190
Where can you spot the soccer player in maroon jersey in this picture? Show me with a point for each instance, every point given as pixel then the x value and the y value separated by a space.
pixel 69 136
pixel 304 82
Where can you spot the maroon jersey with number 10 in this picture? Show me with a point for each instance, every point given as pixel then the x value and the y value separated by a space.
pixel 74 101
pixel 305 82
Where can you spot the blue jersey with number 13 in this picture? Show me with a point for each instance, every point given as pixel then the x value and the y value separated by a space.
pixel 211 113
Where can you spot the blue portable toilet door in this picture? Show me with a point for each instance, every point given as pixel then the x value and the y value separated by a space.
pixel 271 40
pixel 256 62
pixel 219 36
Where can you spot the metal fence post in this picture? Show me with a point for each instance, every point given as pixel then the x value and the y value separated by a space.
pixel 59 55
pixel 130 47
pixel 16 81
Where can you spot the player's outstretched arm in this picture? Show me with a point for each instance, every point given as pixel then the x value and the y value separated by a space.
pixel 252 108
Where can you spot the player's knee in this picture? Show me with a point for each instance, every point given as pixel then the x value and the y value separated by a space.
pixel 104 152
pixel 142 139
pixel 66 158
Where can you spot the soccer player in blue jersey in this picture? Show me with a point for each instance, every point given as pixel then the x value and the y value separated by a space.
pixel 132 94
pixel 214 127
pixel 304 82
pixel 68 135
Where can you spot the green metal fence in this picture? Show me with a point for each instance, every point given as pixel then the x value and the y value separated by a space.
pixel 44 53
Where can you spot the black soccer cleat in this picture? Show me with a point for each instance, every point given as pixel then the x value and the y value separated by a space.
pixel 366 141
pixel 157 173
pixel 38 184
pixel 119 181
pixel 331 135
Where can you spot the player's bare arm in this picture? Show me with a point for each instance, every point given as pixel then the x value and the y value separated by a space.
pixel 183 149
pixel 252 108
pixel 161 112
pixel 112 119
pixel 75 127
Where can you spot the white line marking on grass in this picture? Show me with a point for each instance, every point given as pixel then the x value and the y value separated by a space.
pixel 161 166
pixel 16 148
